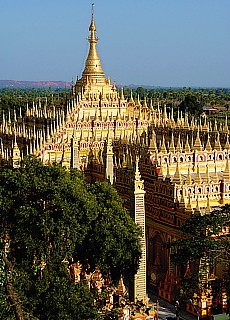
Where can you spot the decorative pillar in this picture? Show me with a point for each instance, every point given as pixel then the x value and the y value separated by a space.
pixel 74 151
pixel 16 159
pixel 109 161
pixel 139 216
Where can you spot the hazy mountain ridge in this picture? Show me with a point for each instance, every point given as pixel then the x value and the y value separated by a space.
pixel 63 84
pixel 55 84
pixel 33 84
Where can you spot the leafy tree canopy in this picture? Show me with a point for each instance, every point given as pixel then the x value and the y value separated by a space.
pixel 203 237
pixel 50 219
pixel 191 105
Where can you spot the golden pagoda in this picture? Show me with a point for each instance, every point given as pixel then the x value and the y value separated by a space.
pixel 164 168
pixel 93 91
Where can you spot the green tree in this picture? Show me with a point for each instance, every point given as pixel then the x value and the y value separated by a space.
pixel 50 219
pixel 203 238
pixel 191 105
pixel 141 92
pixel 111 235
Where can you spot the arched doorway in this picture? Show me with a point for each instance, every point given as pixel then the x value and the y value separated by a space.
pixel 158 260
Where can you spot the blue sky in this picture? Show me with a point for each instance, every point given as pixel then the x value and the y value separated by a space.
pixel 144 42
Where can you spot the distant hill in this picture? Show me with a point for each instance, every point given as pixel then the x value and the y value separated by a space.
pixel 54 84
pixel 63 84
pixel 33 84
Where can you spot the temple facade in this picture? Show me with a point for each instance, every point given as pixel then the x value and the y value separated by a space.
pixel 165 168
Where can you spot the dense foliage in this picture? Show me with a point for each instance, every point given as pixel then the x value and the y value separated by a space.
pixel 204 237
pixel 191 105
pixel 52 218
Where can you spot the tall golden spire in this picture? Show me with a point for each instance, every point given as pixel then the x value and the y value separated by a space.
pixel 197 145
pixel 178 147
pixel 187 146
pixel 172 147
pixel 198 178
pixel 217 145
pixel 189 179
pixel 177 175
pixel 93 72
pixel 208 146
pixel 163 147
